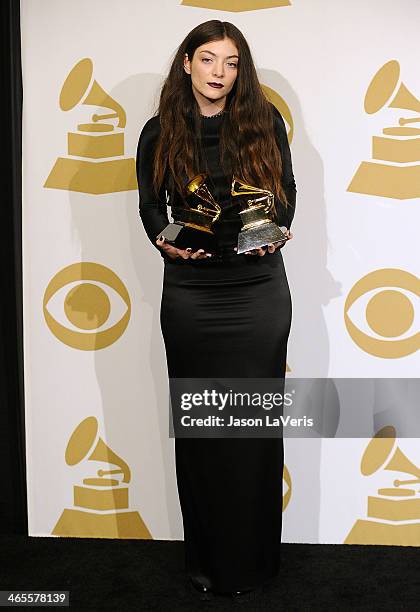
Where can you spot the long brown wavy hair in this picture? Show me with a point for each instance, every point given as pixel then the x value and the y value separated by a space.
pixel 248 147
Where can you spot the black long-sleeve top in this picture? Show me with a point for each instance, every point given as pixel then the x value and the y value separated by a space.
pixel 153 210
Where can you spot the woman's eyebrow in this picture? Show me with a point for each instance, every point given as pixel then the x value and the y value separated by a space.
pixel 211 53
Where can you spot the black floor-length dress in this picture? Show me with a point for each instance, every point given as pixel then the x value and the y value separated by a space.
pixel 225 316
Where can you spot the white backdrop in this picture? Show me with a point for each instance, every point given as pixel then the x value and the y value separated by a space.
pixel 88 391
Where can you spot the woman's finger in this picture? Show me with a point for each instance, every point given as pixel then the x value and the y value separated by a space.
pixel 185 253
pixel 285 231
pixel 167 248
pixel 198 254
pixel 171 251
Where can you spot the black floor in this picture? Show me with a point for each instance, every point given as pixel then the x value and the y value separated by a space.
pixel 148 575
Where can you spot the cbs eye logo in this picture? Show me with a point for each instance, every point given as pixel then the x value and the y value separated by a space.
pixel 87 306
pixel 391 314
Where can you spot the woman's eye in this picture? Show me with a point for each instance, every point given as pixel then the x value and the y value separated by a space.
pixel 208 59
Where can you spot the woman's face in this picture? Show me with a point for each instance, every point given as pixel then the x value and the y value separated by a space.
pixel 217 63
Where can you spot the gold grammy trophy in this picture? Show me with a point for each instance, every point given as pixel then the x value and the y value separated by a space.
pixel 399 148
pixel 258 229
pixel 395 510
pixel 95 165
pixel 194 229
pixel 102 503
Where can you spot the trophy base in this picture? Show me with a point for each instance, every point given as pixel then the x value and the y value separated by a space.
pixel 259 236
pixel 183 236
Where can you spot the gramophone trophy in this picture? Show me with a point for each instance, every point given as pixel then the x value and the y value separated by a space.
pixel 258 229
pixel 194 229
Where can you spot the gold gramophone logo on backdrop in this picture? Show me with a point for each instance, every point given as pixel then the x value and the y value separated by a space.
pixel 236 6
pixel 283 108
pixel 287 494
pixel 95 162
pixel 394 512
pixel 390 313
pixel 101 502
pixel 87 306
pixel 394 171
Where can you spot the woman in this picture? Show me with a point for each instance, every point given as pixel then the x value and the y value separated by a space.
pixel 222 314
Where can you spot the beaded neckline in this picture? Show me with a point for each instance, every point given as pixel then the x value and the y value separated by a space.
pixel 222 112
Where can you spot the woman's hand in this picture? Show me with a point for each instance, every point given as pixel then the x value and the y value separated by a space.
pixel 174 253
pixel 272 246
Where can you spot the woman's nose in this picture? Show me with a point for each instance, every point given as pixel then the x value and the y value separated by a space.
pixel 218 70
